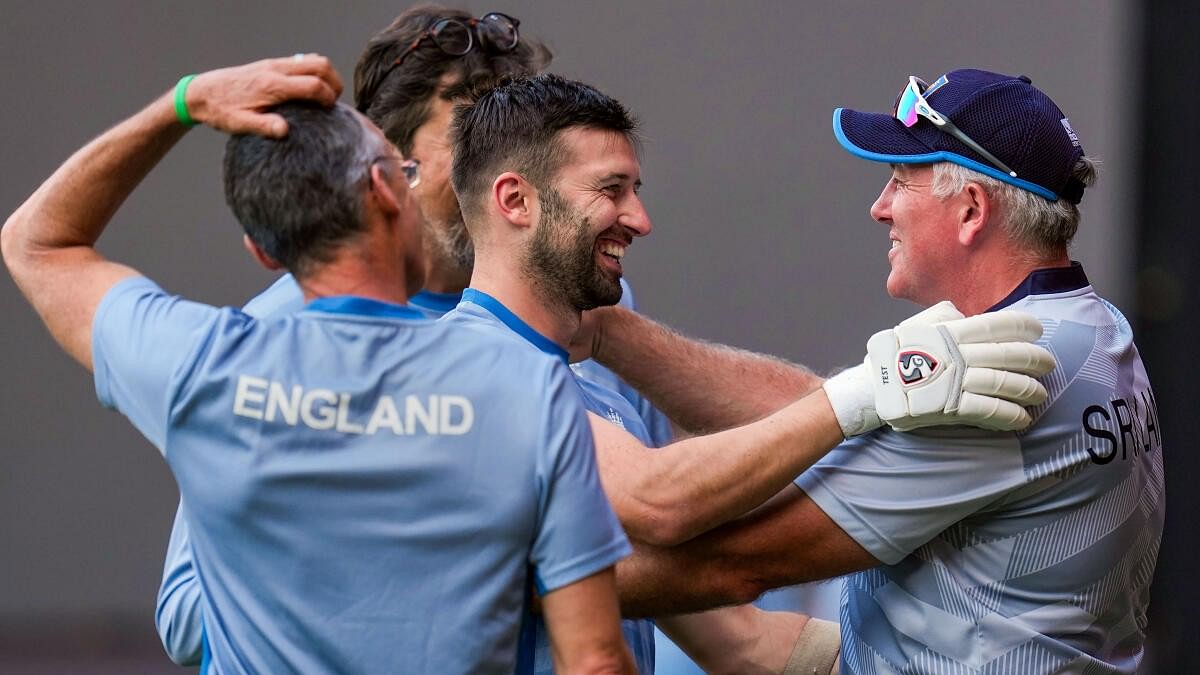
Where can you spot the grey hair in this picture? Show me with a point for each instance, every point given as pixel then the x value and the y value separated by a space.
pixel 300 198
pixel 1044 226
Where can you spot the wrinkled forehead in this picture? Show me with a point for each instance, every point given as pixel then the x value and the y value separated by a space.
pixel 591 151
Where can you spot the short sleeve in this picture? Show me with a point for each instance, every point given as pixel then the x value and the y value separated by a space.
pixel 142 341
pixel 892 492
pixel 178 613
pixel 578 534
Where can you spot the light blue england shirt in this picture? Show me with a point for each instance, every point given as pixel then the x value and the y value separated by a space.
pixel 478 309
pixel 353 470
pixel 1008 553
pixel 179 610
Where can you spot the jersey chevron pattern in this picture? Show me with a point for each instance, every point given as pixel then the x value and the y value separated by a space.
pixel 1011 553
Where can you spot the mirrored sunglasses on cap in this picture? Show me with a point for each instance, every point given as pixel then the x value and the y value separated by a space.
pixel 911 105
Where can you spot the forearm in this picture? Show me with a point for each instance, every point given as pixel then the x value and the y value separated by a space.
pixel 740 640
pixel 786 541
pixel 692 486
pixel 73 206
pixel 701 386
pixel 48 243
pixel 584 623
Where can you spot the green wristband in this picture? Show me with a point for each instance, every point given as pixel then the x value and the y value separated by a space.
pixel 181 110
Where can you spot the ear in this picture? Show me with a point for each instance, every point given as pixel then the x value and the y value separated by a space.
pixel 514 197
pixel 381 191
pixel 259 254
pixel 974 215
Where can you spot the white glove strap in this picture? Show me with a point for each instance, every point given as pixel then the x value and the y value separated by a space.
pixel 853 399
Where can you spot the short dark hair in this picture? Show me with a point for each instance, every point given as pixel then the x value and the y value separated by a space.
pixel 397 98
pixel 516 126
pixel 299 198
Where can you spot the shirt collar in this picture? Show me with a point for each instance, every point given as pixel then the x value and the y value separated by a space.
pixel 349 304
pixel 1046 281
pixel 514 322
pixel 435 302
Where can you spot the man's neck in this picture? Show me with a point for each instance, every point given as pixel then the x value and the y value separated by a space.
pixel 519 294
pixel 991 278
pixel 443 275
pixel 446 279
pixel 350 274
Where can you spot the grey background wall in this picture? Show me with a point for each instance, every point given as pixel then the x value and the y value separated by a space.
pixel 762 237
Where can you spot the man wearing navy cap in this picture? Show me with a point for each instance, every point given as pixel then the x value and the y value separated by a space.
pixel 973 551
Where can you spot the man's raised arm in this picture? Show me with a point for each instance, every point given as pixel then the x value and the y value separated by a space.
pixel 701 386
pixel 48 243
pixel 983 375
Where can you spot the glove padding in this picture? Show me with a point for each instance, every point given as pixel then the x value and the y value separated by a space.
pixel 977 371
pixel 851 392
pixel 981 374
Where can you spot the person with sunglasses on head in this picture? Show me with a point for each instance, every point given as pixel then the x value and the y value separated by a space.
pixel 384 78
pixel 548 176
pixel 967 550
pixel 342 476
pixel 407 80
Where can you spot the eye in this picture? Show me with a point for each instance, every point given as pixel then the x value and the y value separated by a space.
pixel 612 189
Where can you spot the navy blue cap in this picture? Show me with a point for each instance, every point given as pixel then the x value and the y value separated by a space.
pixel 1006 115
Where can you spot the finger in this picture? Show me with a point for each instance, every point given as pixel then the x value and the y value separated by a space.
pixel 270 125
pixel 1002 326
pixel 992 413
pixel 1020 389
pixel 306 87
pixel 1020 357
pixel 282 88
pixel 939 313
pixel 315 65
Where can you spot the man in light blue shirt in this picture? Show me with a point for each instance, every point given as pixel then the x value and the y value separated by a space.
pixel 548 178
pixel 411 101
pixel 656 494
pixel 351 469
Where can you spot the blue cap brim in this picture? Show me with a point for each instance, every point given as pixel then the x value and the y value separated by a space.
pixel 882 138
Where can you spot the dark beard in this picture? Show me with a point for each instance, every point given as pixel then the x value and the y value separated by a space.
pixel 453 243
pixel 460 246
pixel 561 258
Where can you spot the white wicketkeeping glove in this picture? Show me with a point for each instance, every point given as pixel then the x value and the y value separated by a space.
pixel 937 368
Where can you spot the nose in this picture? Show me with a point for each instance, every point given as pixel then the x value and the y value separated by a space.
pixel 634 217
pixel 881 210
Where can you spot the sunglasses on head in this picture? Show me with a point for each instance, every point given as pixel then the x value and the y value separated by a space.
pixel 911 105
pixel 494 31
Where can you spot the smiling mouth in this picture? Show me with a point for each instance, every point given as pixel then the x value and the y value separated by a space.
pixel 612 249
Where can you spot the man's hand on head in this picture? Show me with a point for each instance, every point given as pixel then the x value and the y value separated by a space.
pixel 235 100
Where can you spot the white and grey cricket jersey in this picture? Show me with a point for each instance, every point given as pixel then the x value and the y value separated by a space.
pixel 1011 553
